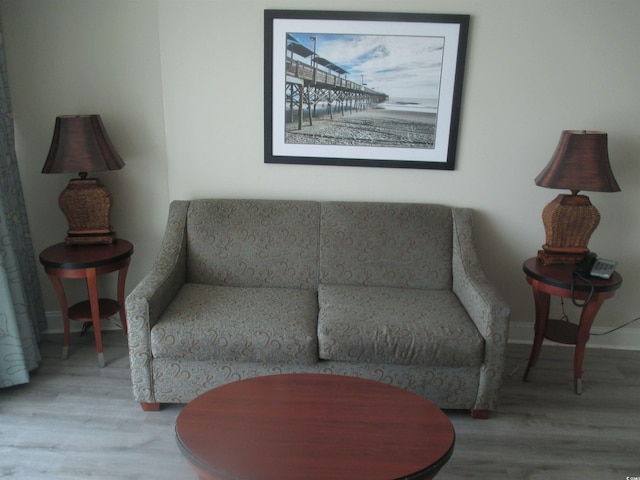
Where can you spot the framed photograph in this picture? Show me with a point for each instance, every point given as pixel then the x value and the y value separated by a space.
pixel 363 89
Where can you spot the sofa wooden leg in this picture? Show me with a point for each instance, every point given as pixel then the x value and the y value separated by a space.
pixel 480 414
pixel 150 407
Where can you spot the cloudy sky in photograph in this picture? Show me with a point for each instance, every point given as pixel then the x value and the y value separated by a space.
pixel 400 66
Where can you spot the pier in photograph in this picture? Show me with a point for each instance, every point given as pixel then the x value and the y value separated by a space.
pixel 319 87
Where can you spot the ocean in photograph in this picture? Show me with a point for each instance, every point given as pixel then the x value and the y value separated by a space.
pixel 417 105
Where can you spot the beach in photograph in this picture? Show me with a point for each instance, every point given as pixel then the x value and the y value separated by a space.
pixel 374 127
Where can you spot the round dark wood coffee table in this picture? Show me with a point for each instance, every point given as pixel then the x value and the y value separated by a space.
pixel 313 426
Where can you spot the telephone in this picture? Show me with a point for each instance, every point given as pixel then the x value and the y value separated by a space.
pixel 596 267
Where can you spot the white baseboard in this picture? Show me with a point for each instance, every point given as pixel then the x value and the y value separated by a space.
pixel 627 338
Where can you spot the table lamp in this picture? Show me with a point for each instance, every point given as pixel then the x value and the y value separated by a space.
pixel 580 162
pixel 80 145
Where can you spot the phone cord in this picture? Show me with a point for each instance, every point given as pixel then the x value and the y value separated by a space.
pixel 588 282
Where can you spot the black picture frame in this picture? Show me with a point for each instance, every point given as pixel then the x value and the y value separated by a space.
pixel 401 106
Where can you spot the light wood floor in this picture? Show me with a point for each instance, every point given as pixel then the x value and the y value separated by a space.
pixel 78 421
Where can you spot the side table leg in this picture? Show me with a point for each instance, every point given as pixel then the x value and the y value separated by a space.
pixel 92 287
pixel 62 300
pixel 542 302
pixel 588 315
pixel 122 277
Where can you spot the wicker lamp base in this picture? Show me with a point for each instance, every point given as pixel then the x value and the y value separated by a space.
pixel 86 203
pixel 569 221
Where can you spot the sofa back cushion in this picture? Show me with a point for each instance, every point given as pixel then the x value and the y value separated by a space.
pixel 386 245
pixel 253 243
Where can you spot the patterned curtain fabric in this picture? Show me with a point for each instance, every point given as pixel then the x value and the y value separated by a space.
pixel 21 309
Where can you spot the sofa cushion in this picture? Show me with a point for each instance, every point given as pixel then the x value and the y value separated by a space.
pixel 253 243
pixel 206 322
pixel 399 326
pixel 386 245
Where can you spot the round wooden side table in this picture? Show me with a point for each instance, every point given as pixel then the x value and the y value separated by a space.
pixel 559 280
pixel 88 262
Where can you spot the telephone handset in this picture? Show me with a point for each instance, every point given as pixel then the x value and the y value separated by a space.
pixel 596 267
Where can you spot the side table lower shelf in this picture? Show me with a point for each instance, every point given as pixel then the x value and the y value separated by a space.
pixel 559 331
pixel 81 312
pixel 562 331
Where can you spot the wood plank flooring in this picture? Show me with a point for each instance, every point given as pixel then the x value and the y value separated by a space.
pixel 78 421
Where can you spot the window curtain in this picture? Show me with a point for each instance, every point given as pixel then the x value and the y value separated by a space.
pixel 21 309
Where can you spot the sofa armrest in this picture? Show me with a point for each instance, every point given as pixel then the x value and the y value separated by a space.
pixel 484 304
pixel 152 295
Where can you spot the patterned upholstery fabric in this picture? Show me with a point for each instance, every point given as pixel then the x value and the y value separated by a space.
pixel 386 245
pixel 253 243
pixel 448 387
pixel 206 322
pixel 396 325
pixel 485 306
pixel 234 294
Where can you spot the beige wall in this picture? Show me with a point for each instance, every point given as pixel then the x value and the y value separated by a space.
pixel 179 85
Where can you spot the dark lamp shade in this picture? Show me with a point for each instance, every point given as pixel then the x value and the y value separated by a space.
pixel 580 162
pixel 80 144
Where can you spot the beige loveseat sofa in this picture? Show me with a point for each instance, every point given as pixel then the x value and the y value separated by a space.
pixel 390 292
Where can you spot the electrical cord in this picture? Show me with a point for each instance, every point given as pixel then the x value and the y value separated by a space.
pixel 617 328
pixel 565 318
